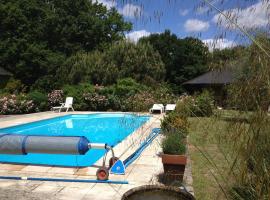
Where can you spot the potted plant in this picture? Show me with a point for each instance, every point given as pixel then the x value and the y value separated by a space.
pixel 173 158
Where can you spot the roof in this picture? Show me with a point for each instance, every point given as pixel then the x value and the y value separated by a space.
pixel 218 77
pixel 4 72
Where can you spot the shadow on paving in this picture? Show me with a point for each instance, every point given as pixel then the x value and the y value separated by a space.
pixel 22 194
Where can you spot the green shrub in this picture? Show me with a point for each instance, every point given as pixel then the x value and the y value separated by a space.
pixel 45 84
pixel 173 144
pixel 39 99
pixel 77 92
pixel 185 106
pixel 200 105
pixel 139 102
pixel 14 86
pixel 122 59
pixel 127 87
pixel 204 104
pixel 175 124
pixel 162 94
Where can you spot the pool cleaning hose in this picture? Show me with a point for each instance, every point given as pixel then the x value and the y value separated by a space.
pixel 62 180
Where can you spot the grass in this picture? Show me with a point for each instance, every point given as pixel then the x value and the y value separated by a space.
pixel 207 150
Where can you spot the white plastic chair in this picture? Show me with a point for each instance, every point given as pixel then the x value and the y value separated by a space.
pixel 67 105
pixel 157 107
pixel 170 107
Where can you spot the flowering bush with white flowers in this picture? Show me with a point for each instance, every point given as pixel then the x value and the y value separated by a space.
pixel 13 104
pixel 55 97
pixel 96 101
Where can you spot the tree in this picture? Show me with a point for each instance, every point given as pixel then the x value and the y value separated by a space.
pixel 184 59
pixel 36 36
pixel 123 59
pixel 190 60
pixel 220 58
pixel 166 44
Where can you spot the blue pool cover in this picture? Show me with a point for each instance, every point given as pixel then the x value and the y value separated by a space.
pixel 97 128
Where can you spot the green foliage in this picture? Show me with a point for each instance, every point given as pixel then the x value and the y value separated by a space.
pixel 184 59
pixel 82 68
pixel 253 80
pixel 220 58
pixel 173 144
pixel 199 105
pixel 13 86
pixel 141 101
pixel 243 192
pixel 184 106
pixel 175 123
pixel 3 81
pixel 174 126
pixel 36 36
pixel 140 97
pixel 137 61
pixel 39 99
pixel 249 139
pixel 203 104
pixel 127 87
pixel 123 59
pixel 46 83
pixel 77 92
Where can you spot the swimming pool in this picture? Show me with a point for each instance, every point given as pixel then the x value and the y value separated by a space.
pixel 97 128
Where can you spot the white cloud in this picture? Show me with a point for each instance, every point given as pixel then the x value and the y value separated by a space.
pixel 195 25
pixel 108 3
pixel 131 10
pixel 183 12
pixel 219 43
pixel 136 35
pixel 202 9
pixel 254 16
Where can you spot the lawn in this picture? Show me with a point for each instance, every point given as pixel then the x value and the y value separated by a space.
pixel 207 151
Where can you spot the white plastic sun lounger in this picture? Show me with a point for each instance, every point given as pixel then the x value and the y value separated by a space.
pixel 157 107
pixel 170 107
pixel 67 105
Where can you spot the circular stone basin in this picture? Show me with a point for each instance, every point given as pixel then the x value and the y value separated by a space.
pixel 156 192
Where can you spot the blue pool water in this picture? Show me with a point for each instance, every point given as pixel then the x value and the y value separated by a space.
pixel 97 128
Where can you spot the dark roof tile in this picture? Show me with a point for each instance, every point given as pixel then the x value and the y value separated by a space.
pixel 213 77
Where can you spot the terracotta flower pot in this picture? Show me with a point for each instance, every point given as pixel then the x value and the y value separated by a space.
pixel 174 166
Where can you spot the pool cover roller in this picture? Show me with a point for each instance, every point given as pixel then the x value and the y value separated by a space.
pixel 24 144
pixel 74 145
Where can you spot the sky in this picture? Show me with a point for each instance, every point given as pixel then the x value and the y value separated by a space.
pixel 192 18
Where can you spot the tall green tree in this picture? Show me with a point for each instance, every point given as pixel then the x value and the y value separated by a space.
pixel 123 59
pixel 220 58
pixel 37 35
pixel 184 59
